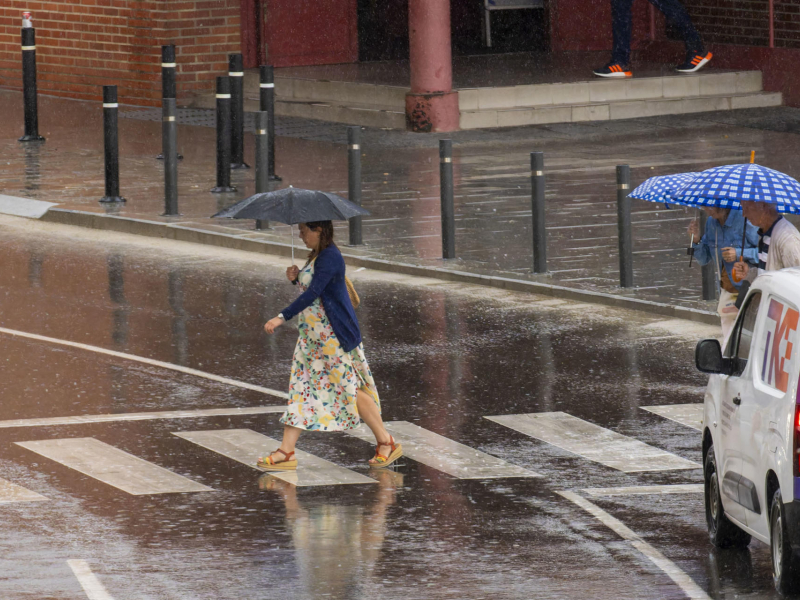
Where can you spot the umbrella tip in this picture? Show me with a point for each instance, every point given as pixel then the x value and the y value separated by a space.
pixel 752 156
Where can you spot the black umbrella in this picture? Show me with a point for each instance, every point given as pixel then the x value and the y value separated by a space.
pixel 294 205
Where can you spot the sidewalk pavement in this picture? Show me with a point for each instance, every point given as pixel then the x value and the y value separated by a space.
pixel 401 189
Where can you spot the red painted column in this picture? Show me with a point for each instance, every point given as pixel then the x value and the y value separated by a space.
pixel 432 105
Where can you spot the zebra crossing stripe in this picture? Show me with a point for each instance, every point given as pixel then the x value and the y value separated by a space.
pixel 143 416
pixel 444 454
pixel 113 466
pixel 11 492
pixel 92 587
pixel 641 490
pixel 593 442
pixel 690 415
pixel 246 446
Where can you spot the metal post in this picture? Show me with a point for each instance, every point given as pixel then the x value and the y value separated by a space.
pixel 223 137
pixel 267 103
pixel 446 192
pixel 29 82
pixel 624 226
pixel 354 180
pixel 236 73
pixel 537 212
pixel 262 160
pixel 169 148
pixel 111 144
pixel 169 86
pixel 709 274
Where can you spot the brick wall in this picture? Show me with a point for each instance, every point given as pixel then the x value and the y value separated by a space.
pixel 742 22
pixel 787 24
pixel 83 45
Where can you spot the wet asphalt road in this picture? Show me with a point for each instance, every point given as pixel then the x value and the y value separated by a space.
pixel 444 356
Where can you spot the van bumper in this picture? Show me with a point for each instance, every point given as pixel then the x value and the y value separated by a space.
pixel 792 512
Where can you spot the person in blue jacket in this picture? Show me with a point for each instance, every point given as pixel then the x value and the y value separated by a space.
pixel 331 387
pixel 722 243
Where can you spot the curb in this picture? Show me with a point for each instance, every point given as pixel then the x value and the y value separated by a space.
pixel 182 233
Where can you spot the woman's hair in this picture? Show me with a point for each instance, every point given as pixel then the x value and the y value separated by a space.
pixel 325 229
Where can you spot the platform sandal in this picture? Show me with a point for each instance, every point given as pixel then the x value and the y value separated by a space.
pixel 382 461
pixel 270 464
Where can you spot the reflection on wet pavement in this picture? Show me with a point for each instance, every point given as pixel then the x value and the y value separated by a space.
pixel 401 188
pixel 444 357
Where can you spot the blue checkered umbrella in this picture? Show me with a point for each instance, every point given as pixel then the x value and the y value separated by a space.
pixel 664 188
pixel 726 186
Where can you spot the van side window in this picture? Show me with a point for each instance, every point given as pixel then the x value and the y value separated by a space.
pixel 742 336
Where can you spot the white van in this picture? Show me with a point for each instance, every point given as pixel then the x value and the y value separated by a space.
pixel 751 426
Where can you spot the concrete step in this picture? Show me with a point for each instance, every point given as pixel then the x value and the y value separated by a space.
pixel 607 90
pixel 613 110
pixel 343 93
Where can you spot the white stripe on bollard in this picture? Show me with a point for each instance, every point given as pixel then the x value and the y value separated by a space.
pixel 110 105
pixel 267 85
pixel 235 74
pixel 168 65
pixel 29 47
pixel 223 96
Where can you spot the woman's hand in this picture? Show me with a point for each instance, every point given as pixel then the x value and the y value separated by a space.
pixel 694 231
pixel 273 324
pixel 728 254
pixel 292 272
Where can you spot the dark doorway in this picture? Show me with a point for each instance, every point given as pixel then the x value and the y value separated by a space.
pixel 383 29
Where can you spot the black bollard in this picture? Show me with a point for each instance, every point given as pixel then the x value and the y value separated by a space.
pixel 537 212
pixel 624 226
pixel 446 193
pixel 354 180
pixel 223 137
pixel 111 144
pixel 236 73
pixel 169 148
pixel 169 86
pixel 708 273
pixel 262 160
pixel 29 82
pixel 267 103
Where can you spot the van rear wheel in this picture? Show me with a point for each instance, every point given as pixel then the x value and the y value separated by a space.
pixel 721 532
pixel 785 565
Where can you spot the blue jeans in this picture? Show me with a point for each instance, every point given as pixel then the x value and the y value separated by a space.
pixel 622 23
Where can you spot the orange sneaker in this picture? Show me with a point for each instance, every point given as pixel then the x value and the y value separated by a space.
pixel 694 62
pixel 614 70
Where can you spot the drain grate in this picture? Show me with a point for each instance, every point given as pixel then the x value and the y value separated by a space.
pixel 307 129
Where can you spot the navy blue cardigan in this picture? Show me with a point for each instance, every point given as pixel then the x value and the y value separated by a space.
pixel 328 284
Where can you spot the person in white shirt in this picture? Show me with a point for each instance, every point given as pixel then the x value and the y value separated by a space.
pixel 778 243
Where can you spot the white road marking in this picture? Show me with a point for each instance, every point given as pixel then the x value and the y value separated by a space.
pixel 690 415
pixel 594 442
pixel 11 492
pixel 247 446
pixel 89 582
pixel 444 454
pixel 113 466
pixel 689 587
pixel 142 416
pixel 680 488
pixel 146 361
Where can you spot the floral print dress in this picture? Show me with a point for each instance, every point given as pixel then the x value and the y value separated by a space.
pixel 325 378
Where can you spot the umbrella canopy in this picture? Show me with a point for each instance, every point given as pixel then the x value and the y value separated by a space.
pixel 293 205
pixel 663 188
pixel 728 185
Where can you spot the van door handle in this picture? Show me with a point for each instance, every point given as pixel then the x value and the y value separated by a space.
pixel 737 400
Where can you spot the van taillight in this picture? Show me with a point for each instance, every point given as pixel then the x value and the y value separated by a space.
pixel 797 438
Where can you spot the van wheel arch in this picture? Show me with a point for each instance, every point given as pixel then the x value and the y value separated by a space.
pixel 707 442
pixel 772 485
